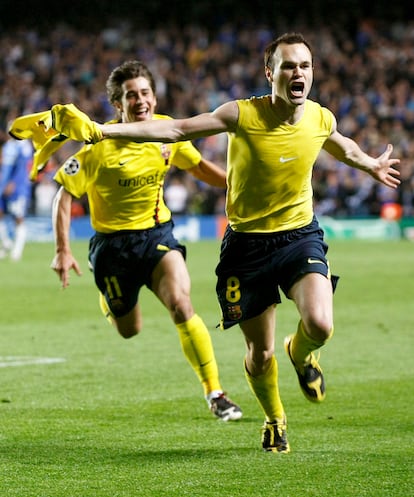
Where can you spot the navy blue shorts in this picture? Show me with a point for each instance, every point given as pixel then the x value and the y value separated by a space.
pixel 124 261
pixel 253 267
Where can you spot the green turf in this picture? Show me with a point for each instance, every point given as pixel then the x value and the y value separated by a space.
pixel 127 418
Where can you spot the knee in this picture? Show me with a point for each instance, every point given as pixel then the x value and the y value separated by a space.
pixel 127 328
pixel 130 324
pixel 181 309
pixel 127 332
pixel 319 328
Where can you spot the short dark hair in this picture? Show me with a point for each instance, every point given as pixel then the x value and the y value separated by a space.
pixel 130 69
pixel 289 39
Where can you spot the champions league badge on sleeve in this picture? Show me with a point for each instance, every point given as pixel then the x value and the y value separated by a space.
pixel 71 166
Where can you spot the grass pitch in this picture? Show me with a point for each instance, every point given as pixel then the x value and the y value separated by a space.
pixel 84 413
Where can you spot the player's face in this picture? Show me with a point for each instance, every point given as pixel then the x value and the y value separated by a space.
pixel 138 100
pixel 293 73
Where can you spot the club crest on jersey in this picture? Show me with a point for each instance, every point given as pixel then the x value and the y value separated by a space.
pixel 71 166
pixel 166 152
pixel 234 312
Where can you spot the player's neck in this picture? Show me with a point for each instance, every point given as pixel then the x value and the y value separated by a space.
pixel 289 114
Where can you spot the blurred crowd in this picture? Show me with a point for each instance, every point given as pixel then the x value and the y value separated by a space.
pixel 365 75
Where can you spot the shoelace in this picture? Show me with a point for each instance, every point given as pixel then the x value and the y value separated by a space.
pixel 313 360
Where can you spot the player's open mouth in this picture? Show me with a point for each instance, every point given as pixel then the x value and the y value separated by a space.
pixel 141 114
pixel 297 89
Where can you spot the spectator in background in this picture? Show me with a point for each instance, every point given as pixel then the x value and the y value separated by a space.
pixel 365 75
pixel 15 195
pixel 176 195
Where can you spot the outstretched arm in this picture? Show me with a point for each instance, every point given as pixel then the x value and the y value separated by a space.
pixel 380 168
pixel 76 125
pixel 63 261
pixel 223 119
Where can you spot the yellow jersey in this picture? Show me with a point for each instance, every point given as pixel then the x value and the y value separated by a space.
pixel 269 166
pixel 124 180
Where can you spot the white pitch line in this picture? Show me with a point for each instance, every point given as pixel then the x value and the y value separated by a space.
pixel 10 361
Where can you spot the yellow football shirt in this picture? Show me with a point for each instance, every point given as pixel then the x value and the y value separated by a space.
pixel 270 164
pixel 124 180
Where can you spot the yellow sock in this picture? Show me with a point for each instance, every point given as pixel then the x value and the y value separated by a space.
pixel 302 345
pixel 103 304
pixel 266 390
pixel 198 349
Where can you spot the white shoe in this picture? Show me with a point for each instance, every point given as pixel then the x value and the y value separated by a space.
pixel 225 409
